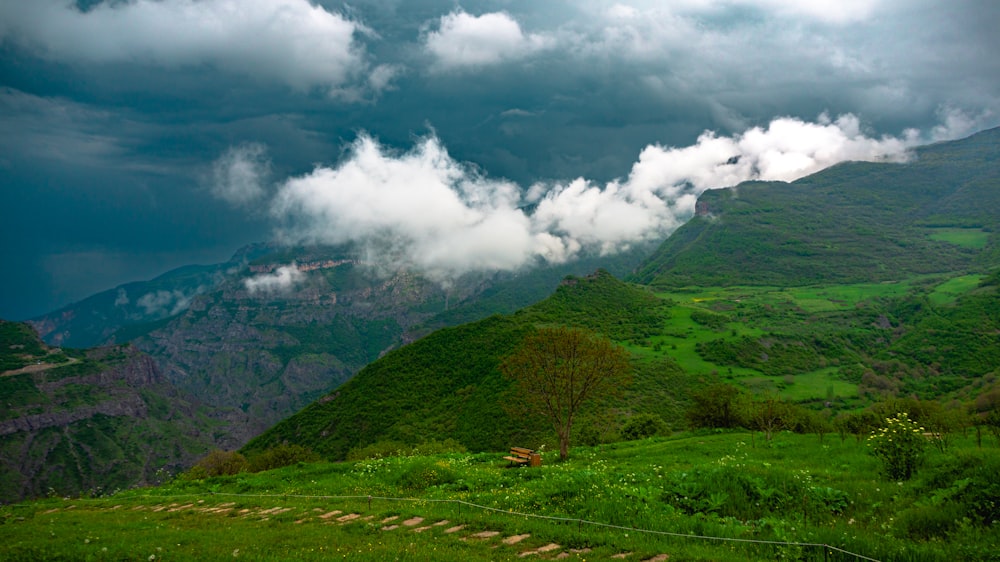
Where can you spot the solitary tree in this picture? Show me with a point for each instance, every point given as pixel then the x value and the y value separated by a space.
pixel 556 370
pixel 770 415
pixel 716 405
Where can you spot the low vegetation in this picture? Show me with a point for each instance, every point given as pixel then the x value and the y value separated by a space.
pixel 799 491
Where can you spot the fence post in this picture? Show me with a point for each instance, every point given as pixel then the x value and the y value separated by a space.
pixel 369 503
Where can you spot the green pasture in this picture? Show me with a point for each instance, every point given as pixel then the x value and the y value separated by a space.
pixel 681 335
pixel 793 315
pixel 973 238
pixel 948 292
pixel 809 299
pixel 817 385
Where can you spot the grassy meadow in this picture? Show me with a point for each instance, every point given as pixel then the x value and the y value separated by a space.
pixel 659 494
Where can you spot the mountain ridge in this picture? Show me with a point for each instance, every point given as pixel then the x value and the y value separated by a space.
pixel 854 222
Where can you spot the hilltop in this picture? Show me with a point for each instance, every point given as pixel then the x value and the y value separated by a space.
pixel 856 222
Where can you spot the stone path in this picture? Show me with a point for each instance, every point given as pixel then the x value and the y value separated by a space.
pixel 415 524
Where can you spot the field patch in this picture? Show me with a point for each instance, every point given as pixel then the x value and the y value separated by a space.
pixel 973 238
pixel 948 292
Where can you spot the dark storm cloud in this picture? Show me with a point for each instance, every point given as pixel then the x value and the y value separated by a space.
pixel 127 125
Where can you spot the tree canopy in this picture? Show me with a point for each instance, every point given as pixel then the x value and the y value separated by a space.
pixel 557 370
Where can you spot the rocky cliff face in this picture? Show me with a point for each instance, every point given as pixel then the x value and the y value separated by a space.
pixel 107 420
pixel 269 354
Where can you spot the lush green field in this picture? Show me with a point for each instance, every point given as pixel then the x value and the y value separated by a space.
pixel 974 238
pixel 949 291
pixel 800 489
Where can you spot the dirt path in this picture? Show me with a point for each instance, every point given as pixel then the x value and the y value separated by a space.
pixel 38 367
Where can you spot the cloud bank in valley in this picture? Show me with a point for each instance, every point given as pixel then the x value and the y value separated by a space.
pixel 423 210
pixel 283 279
pixel 163 303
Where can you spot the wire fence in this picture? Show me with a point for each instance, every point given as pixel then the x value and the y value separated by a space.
pixel 826 548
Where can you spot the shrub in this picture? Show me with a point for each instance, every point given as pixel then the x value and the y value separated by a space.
pixel 899 444
pixel 970 481
pixel 642 426
pixel 378 450
pixel 423 473
pixel 715 406
pixel 732 491
pixel 388 448
pixel 282 455
pixel 218 463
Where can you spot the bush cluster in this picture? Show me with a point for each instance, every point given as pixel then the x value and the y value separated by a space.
pixel 641 426
pixel 224 463
pixel 899 444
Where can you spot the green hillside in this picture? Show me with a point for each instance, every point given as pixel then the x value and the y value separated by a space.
pixel 852 223
pixel 448 386
pixel 831 349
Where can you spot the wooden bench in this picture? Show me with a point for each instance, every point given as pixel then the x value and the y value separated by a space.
pixel 522 456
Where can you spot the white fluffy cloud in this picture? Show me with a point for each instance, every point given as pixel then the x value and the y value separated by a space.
pixel 956 123
pixel 166 303
pixel 419 209
pixel 283 279
pixel 422 209
pixel 463 40
pixel 292 41
pixel 240 174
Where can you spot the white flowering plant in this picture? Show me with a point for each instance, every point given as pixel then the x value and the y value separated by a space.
pixel 899 443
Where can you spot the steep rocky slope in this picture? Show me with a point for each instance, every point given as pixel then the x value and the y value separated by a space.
pixel 99 419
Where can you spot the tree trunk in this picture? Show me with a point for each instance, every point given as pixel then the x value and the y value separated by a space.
pixel 564 442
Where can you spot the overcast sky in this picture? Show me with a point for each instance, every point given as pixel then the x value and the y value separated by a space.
pixel 141 135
